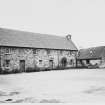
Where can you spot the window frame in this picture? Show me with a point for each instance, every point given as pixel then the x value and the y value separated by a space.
pixel 7 63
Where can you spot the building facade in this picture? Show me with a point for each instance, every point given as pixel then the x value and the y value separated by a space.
pixel 25 51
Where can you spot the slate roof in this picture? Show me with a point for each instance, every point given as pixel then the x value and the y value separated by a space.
pixel 9 37
pixel 92 53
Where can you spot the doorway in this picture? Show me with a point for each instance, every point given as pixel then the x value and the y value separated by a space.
pixel 51 64
pixel 22 65
pixel 64 62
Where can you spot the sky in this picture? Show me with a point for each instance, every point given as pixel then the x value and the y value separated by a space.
pixel 83 19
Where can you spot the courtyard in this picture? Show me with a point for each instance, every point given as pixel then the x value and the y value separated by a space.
pixel 62 86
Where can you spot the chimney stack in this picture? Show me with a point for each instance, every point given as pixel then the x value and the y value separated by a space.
pixel 68 37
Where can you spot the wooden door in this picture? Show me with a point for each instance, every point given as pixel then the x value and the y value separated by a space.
pixel 64 62
pixel 22 65
pixel 51 64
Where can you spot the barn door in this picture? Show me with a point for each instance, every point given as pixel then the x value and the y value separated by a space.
pixel 22 65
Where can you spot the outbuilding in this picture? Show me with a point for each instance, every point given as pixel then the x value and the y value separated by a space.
pixel 94 56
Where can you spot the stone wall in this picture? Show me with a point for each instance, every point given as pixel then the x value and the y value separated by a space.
pixel 35 58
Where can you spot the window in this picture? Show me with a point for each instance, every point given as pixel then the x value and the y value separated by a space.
pixel 61 52
pixel 71 62
pixel 69 53
pixel 21 50
pixel 7 50
pixel 40 62
pixel 87 61
pixel 34 51
pixel 13 49
pixel 7 63
pixel 50 60
pixel 48 52
pixel 51 63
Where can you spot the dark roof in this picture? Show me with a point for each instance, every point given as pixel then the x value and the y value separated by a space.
pixel 17 38
pixel 92 53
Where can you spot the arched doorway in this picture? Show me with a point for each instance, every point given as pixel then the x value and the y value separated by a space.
pixel 64 62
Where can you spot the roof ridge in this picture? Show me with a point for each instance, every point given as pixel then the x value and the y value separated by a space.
pixel 91 47
pixel 9 29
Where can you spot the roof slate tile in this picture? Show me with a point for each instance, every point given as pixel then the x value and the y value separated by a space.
pixel 9 37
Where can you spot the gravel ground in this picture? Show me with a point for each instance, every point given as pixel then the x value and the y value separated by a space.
pixel 65 86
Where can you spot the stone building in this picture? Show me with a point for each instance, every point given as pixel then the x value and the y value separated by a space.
pixel 94 56
pixel 22 51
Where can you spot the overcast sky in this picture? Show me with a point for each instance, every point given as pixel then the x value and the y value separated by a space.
pixel 84 19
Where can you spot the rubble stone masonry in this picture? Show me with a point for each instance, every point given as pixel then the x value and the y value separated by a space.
pixel 15 58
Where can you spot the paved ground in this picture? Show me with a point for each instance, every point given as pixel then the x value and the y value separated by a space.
pixel 65 86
